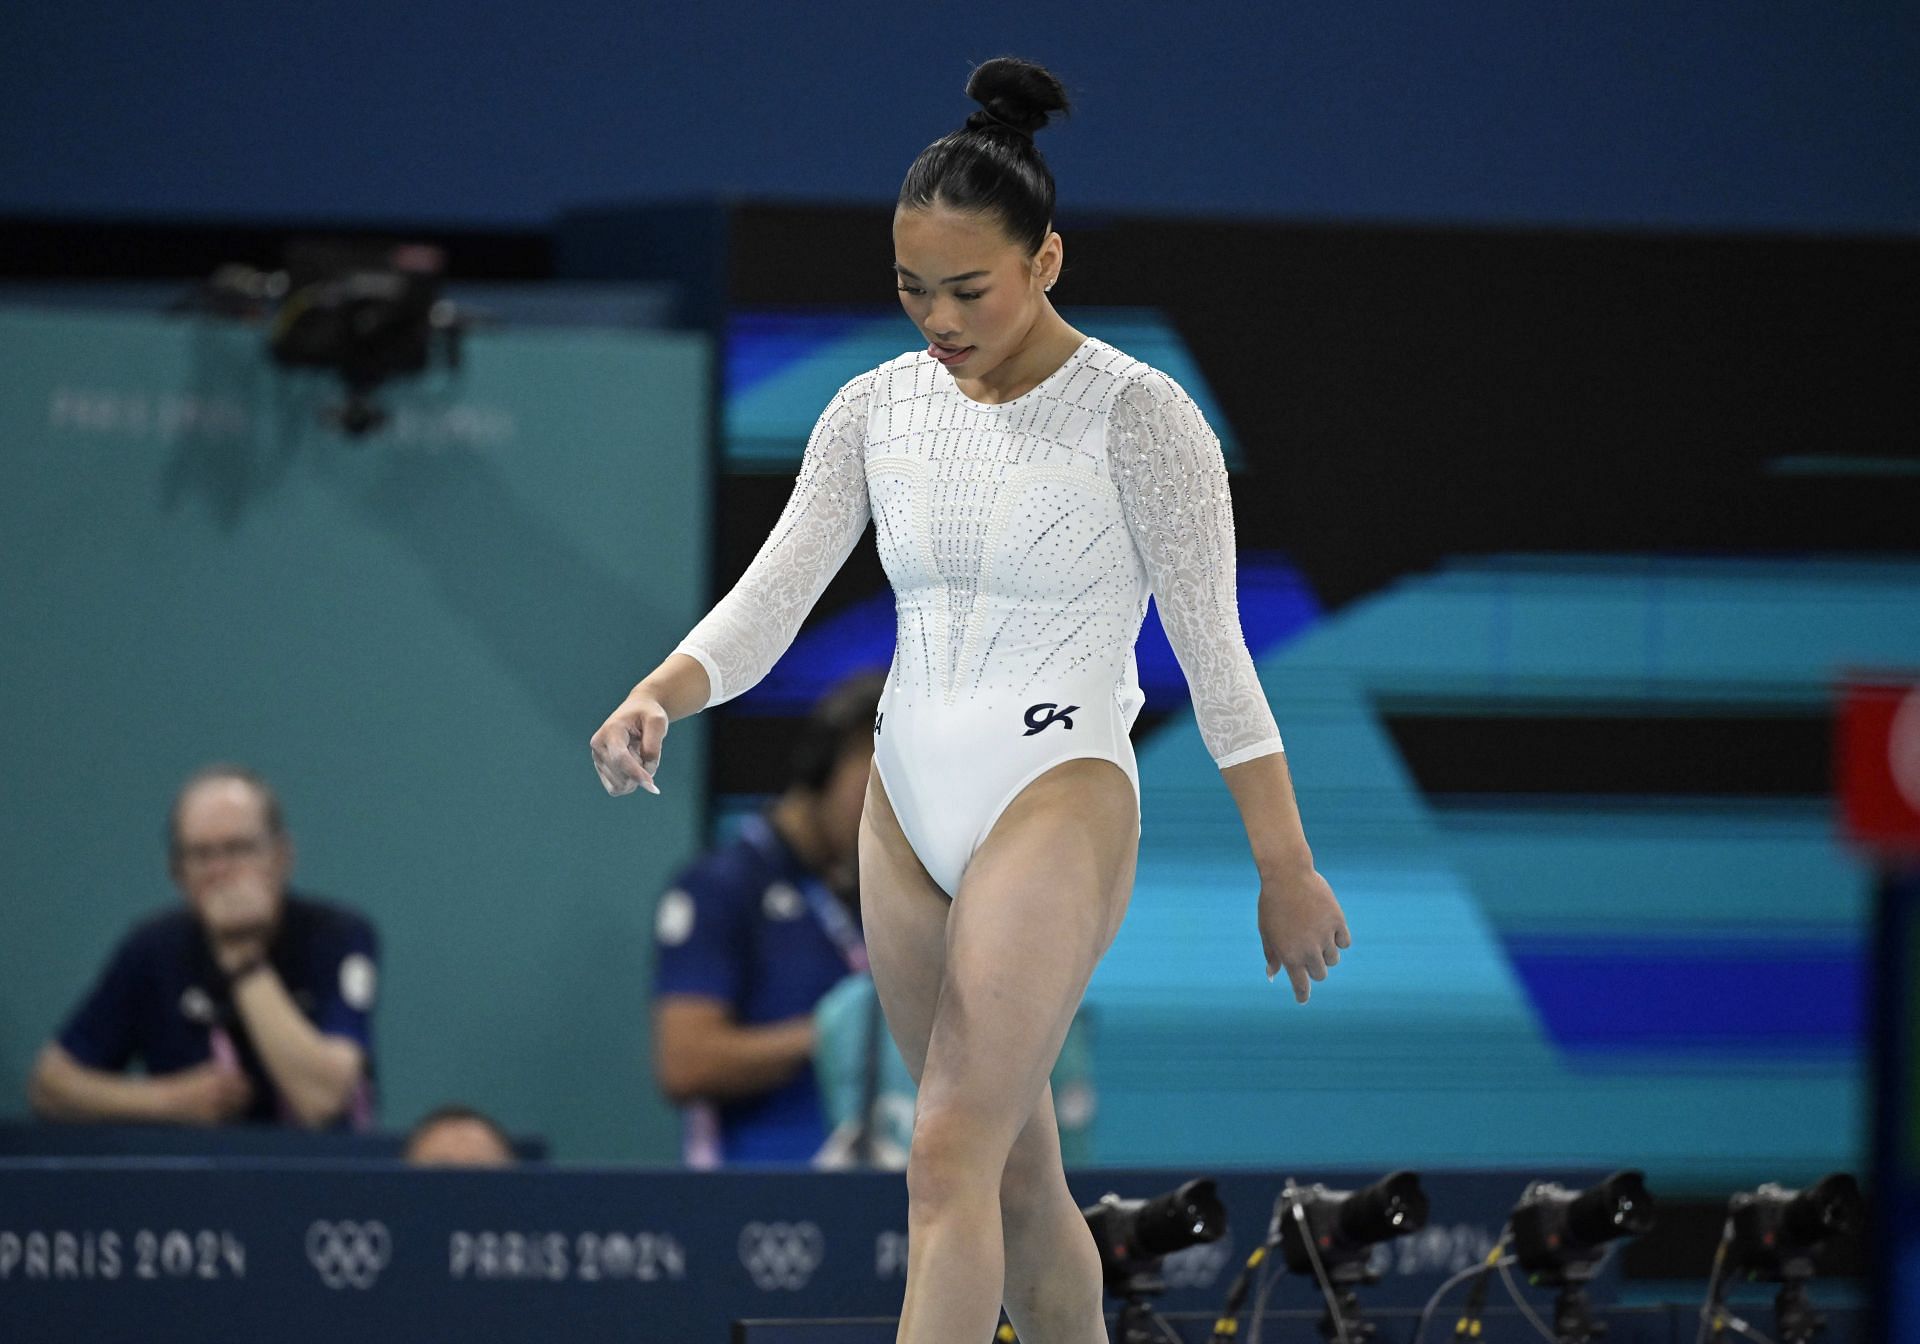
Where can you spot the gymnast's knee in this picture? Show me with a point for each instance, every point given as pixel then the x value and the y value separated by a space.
pixel 951 1159
pixel 1030 1186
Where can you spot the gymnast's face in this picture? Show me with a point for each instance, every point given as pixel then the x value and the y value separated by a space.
pixel 974 293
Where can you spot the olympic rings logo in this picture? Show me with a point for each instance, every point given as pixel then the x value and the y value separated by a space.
pixel 781 1255
pixel 347 1254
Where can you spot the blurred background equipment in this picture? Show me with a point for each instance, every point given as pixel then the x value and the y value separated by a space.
pixel 1561 1238
pixel 1331 1235
pixel 1135 1235
pixel 1773 1235
pixel 365 317
pixel 1774 1231
pixel 1334 1236
pixel 366 311
pixel 1334 1231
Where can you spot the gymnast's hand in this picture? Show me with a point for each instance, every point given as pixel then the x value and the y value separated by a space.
pixel 626 750
pixel 1301 926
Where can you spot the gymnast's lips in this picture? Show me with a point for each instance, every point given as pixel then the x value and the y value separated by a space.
pixel 949 355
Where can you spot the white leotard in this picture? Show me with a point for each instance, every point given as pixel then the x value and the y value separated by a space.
pixel 1021 541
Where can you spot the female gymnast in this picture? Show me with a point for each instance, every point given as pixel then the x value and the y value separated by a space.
pixel 1028 487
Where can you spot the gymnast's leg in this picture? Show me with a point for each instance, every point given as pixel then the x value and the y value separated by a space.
pixel 1052 1287
pixel 990 1213
pixel 1052 1275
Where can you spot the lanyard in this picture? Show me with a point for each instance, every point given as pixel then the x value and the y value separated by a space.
pixel 829 911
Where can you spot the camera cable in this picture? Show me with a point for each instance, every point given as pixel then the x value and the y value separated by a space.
pixel 1320 1271
pixel 1468 1326
pixel 1714 1310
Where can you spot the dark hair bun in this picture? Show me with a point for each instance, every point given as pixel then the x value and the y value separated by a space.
pixel 991 165
pixel 1015 93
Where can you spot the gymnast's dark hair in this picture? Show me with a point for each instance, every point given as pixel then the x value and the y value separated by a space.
pixel 990 165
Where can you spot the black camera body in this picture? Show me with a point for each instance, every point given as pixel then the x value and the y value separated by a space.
pixel 1560 1236
pixel 1347 1224
pixel 1134 1234
pixel 1774 1233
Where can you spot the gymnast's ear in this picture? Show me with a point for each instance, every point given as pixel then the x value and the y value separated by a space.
pixel 1048 261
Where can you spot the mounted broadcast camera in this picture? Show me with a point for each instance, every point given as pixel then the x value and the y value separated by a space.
pixel 367 311
pixel 1562 1238
pixel 1135 1235
pixel 1776 1232
pixel 1331 1234
pixel 1772 1236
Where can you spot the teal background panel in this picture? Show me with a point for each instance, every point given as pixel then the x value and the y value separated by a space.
pixel 411 635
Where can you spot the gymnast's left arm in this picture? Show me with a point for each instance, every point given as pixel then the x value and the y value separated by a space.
pixel 1172 479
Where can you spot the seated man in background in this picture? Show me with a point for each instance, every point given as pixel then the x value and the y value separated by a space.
pixel 458 1136
pixel 249 1004
pixel 751 937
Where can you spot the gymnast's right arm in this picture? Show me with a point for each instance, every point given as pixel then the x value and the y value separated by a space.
pixel 738 642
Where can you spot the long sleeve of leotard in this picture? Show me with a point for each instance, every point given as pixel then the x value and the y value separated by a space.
pixel 1172 479
pixel 739 641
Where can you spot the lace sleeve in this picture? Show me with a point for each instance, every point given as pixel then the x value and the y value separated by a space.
pixel 1166 463
pixel 739 641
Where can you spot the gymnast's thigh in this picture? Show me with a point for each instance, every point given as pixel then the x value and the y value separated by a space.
pixel 904 915
pixel 1039 906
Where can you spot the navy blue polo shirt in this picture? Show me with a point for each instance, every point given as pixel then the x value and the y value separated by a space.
pixel 743 924
pixel 163 1001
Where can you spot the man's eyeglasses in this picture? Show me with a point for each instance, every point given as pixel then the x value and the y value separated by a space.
pixel 214 851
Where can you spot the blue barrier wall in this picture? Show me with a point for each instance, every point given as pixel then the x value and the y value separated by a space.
pixel 319 1252
pixel 412 636
pixel 1715 114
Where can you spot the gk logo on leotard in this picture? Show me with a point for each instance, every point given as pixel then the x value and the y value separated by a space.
pixel 1048 713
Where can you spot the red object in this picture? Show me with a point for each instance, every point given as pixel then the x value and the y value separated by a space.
pixel 1877 761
